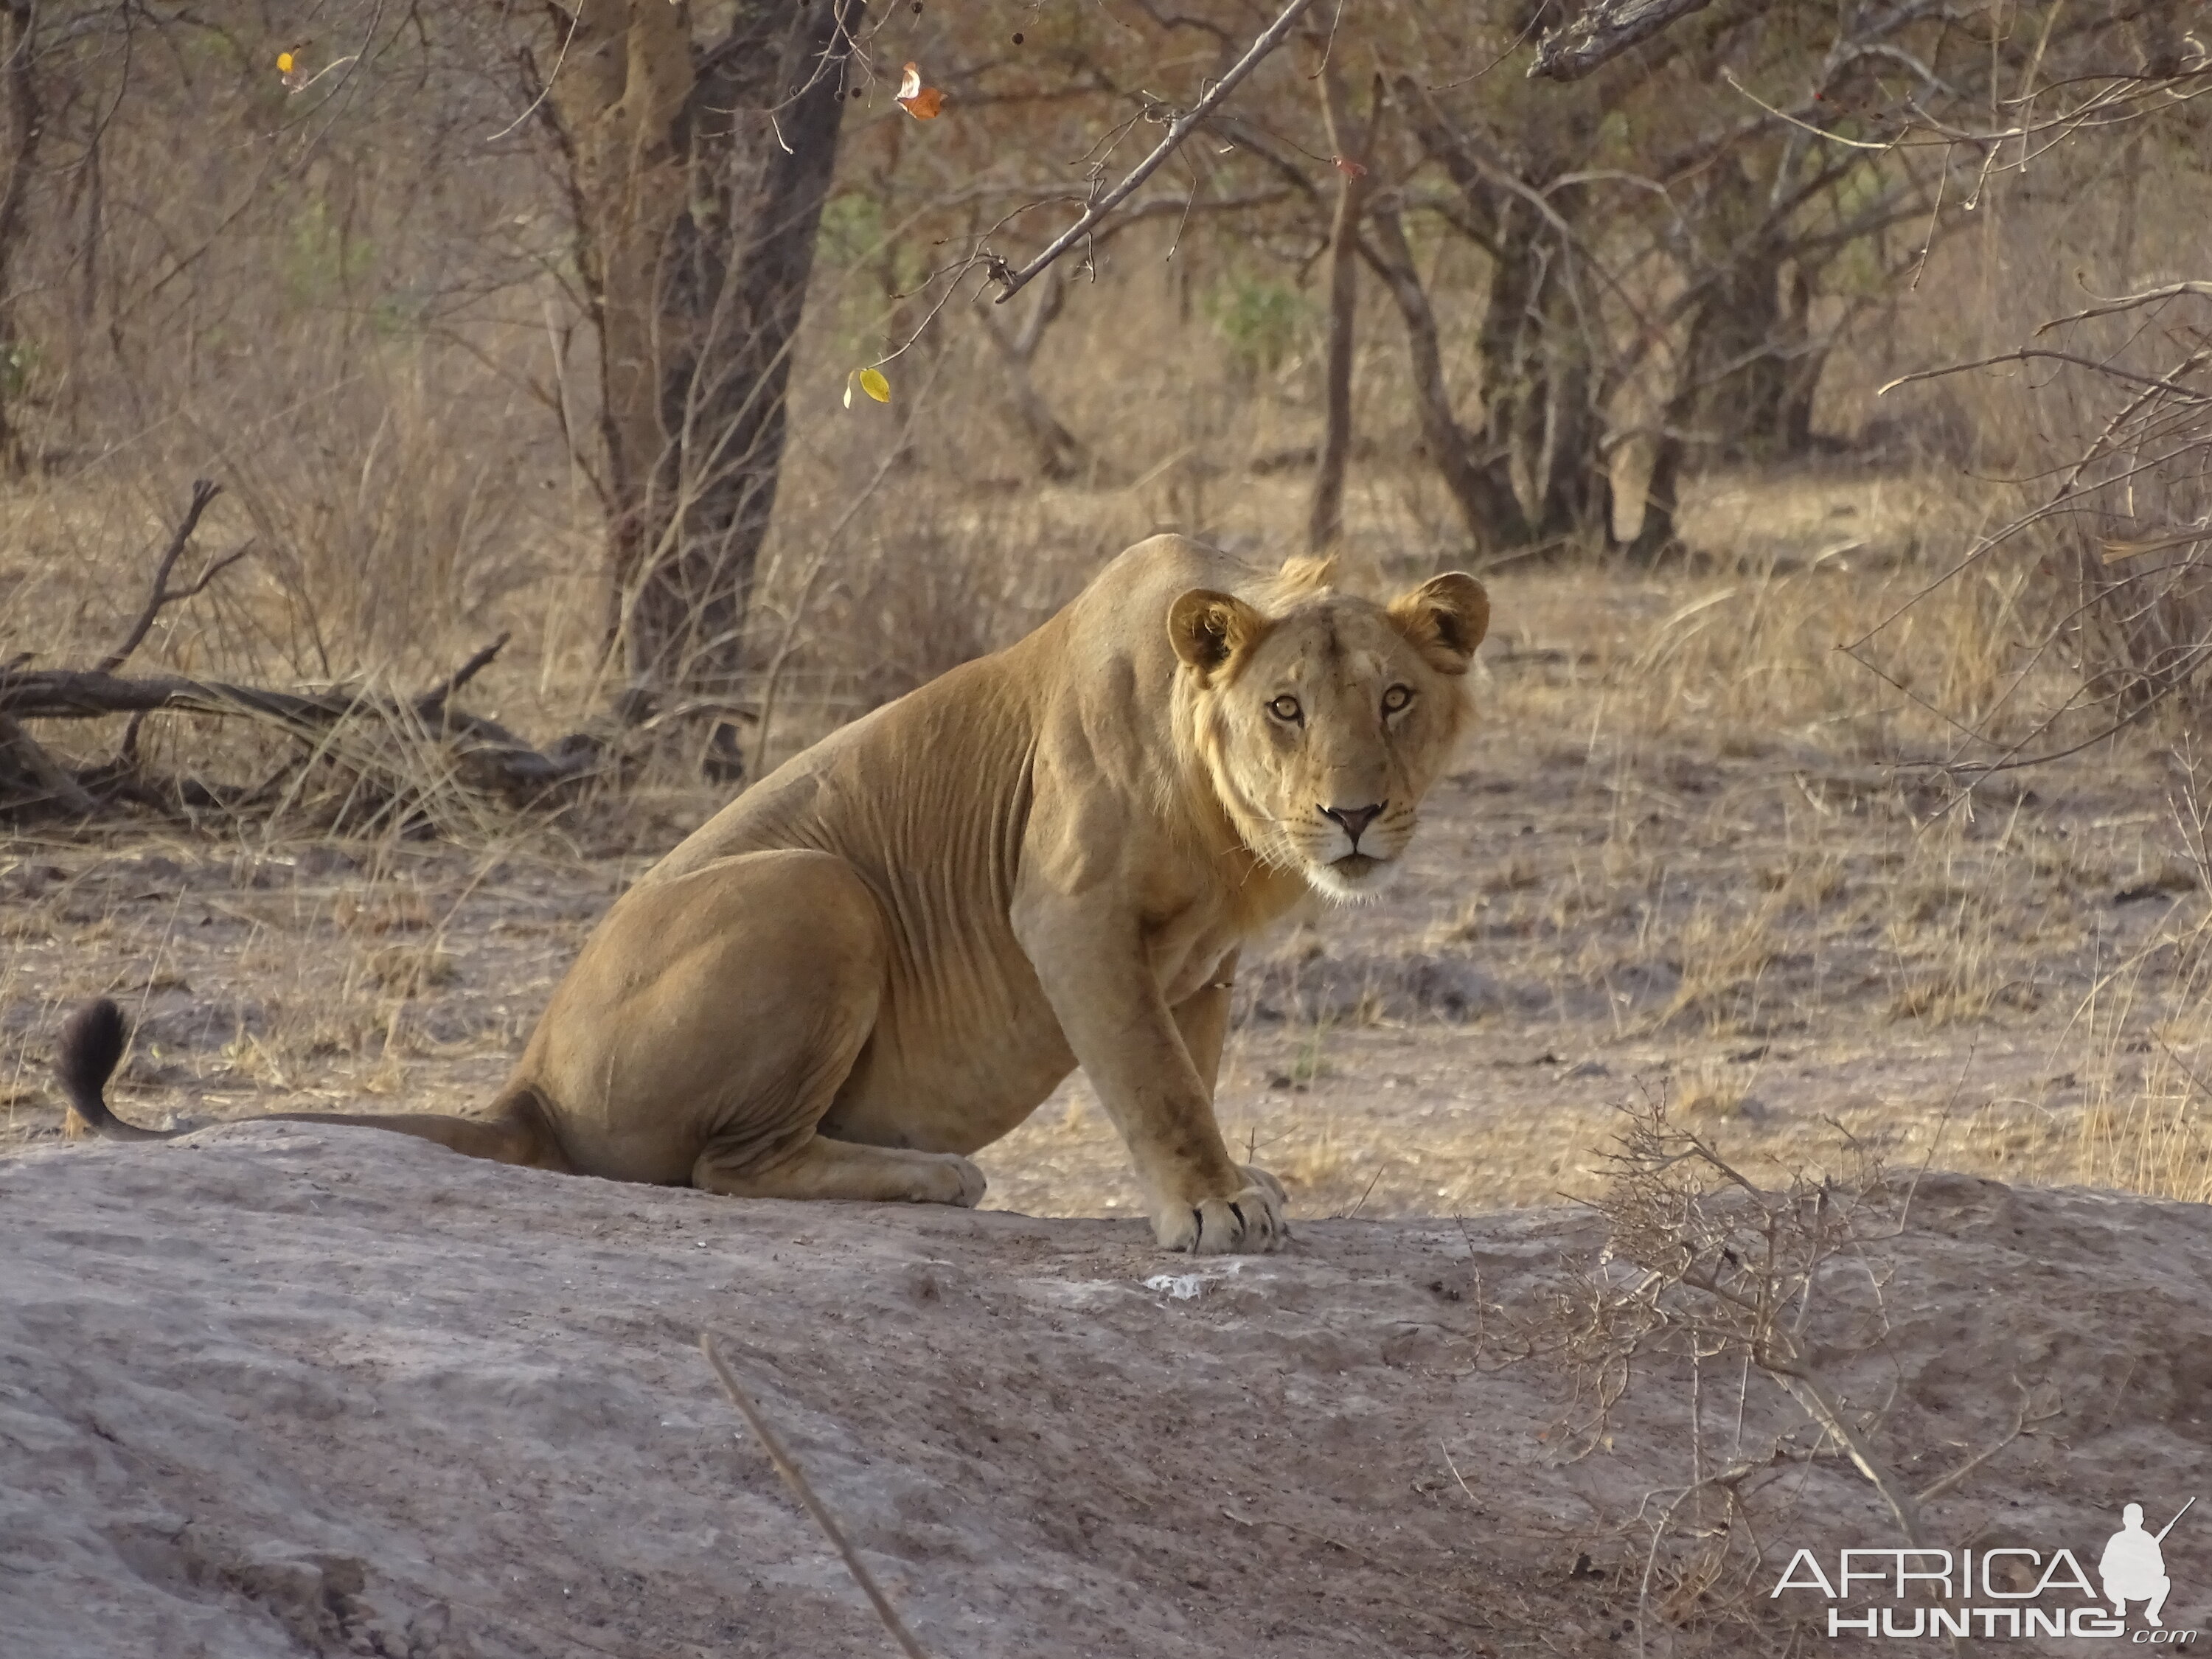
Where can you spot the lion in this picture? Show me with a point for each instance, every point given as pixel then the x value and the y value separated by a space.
pixel 884 954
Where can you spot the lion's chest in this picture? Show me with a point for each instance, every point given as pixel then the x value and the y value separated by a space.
pixel 1187 955
pixel 1189 938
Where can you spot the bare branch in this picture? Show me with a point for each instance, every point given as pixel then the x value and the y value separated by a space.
pixel 203 491
pixel 486 754
pixel 2025 1416
pixel 21 754
pixel 1604 31
pixel 2132 301
pixel 2027 353
pixel 433 703
pixel 795 1478
pixel 1010 283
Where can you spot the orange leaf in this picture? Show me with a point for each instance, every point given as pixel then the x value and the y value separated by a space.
pixel 1350 168
pixel 919 101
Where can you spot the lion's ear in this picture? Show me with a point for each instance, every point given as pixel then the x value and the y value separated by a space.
pixel 1444 619
pixel 1212 632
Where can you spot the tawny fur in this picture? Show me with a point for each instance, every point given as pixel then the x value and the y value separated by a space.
pixel 886 954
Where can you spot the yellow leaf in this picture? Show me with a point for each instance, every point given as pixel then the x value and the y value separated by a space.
pixel 873 383
pixel 283 63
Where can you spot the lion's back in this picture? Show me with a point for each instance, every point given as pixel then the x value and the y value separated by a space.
pixel 940 776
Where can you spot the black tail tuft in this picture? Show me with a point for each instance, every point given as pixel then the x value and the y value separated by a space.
pixel 92 1042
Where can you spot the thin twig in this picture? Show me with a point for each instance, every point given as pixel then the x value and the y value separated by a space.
pixel 795 1478
pixel 1010 283
pixel 546 91
pixel 2025 1417
pixel 2027 353
pixel 1728 75
pixel 2131 301
pixel 431 701
pixel 203 491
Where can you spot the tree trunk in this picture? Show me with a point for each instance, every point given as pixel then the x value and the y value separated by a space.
pixel 1351 141
pixel 1740 376
pixel 1540 387
pixel 1802 376
pixel 698 172
pixel 1485 500
pixel 1570 468
pixel 1654 534
pixel 20 130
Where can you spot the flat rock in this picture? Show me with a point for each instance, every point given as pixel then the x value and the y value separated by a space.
pixel 275 1389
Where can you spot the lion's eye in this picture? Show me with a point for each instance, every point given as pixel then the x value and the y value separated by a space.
pixel 1286 709
pixel 1397 698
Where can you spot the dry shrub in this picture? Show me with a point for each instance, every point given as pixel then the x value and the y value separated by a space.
pixel 1765 1307
pixel 387 519
pixel 2098 435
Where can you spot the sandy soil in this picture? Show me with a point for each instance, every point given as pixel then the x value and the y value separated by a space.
pixel 281 1391
pixel 1976 990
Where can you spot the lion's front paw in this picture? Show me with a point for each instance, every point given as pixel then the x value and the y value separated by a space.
pixel 1248 1221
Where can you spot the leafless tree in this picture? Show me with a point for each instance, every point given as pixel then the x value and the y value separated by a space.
pixel 698 167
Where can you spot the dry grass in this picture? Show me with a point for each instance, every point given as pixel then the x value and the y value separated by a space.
pixel 1647 875
pixel 1699 843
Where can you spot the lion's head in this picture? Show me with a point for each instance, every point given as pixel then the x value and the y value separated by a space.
pixel 1323 722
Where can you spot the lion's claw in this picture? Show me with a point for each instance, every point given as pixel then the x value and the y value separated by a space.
pixel 1246 1222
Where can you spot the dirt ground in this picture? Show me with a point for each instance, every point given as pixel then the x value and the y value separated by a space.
pixel 1789 942
pixel 282 1390
pixel 291 1389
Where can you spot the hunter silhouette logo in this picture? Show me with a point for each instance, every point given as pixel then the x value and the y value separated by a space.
pixel 2133 1567
pixel 1998 1590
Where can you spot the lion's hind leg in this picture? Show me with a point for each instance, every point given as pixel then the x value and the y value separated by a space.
pixel 818 1167
pixel 710 1023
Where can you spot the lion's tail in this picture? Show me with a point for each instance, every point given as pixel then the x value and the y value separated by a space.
pixel 92 1042
pixel 518 1131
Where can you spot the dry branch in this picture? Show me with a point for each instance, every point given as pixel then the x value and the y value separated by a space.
pixel 436 700
pixel 1010 283
pixel 795 1478
pixel 31 769
pixel 484 755
pixel 1602 32
pixel 203 492
pixel 1703 1266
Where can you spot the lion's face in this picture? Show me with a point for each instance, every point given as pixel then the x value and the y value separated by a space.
pixel 1322 728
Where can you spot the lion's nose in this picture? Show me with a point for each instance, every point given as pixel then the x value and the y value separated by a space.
pixel 1353 819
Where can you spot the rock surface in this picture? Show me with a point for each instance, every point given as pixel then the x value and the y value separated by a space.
pixel 279 1389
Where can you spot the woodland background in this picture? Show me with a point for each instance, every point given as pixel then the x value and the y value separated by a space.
pixel 484 318
pixel 440 460
pixel 1840 744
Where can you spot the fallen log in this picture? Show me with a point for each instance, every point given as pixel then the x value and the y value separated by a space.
pixel 404 749
pixel 484 755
